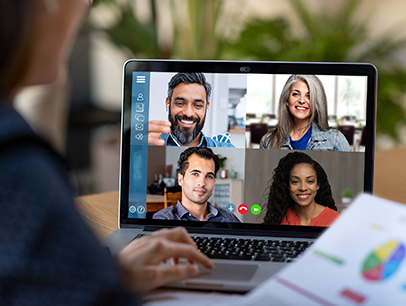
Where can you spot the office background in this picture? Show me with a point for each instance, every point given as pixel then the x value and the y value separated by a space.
pixel 85 119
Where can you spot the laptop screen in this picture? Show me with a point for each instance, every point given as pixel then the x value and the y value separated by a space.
pixel 249 145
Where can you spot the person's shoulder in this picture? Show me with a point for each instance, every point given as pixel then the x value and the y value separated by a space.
pixel 327 216
pixel 25 156
pixel 223 140
pixel 168 140
pixel 165 214
pixel 341 141
pixel 330 131
pixel 32 176
pixel 41 224
pixel 268 140
pixel 331 212
pixel 227 216
pixel 333 131
pixel 337 133
pixel 290 212
pixel 290 218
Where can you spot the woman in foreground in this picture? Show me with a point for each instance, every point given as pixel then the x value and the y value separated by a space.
pixel 48 256
pixel 299 193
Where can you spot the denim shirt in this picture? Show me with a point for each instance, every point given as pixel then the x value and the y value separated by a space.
pixel 181 213
pixel 221 141
pixel 330 140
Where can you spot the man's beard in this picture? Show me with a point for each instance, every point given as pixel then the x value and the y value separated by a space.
pixel 185 135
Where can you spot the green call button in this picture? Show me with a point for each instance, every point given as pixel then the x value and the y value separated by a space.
pixel 255 209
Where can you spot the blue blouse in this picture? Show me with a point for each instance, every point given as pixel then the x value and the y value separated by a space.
pixel 301 143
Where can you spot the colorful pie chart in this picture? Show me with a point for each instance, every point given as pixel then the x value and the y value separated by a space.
pixel 384 261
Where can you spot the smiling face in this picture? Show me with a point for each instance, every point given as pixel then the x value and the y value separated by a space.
pixel 299 101
pixel 198 181
pixel 187 111
pixel 303 184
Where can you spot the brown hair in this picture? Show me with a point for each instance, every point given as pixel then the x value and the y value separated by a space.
pixel 202 152
pixel 16 36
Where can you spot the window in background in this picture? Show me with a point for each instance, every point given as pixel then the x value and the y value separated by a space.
pixel 351 96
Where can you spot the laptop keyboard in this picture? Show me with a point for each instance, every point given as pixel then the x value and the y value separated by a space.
pixel 250 249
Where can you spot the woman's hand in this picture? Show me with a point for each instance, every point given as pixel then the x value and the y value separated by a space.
pixel 139 261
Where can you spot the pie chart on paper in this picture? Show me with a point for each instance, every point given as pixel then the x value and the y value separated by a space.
pixel 384 261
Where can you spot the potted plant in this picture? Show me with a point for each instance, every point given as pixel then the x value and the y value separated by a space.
pixel 346 196
pixel 223 172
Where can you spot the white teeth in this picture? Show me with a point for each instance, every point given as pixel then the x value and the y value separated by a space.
pixel 303 196
pixel 301 108
pixel 187 122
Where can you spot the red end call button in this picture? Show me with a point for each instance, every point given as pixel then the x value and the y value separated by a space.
pixel 243 209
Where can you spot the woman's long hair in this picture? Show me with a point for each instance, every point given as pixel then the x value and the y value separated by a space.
pixel 318 107
pixel 279 198
pixel 16 36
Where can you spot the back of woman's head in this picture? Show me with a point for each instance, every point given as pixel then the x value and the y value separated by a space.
pixel 16 37
pixel 279 198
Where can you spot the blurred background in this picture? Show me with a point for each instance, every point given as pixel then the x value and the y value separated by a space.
pixel 84 123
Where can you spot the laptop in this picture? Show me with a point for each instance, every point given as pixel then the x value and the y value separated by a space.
pixel 244 95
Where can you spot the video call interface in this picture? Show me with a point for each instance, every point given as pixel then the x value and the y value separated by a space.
pixel 242 109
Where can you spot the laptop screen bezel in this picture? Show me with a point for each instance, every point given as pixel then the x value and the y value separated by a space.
pixel 235 67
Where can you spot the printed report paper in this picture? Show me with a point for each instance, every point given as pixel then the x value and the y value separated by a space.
pixel 359 260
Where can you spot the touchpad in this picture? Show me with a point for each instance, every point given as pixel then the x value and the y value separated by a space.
pixel 240 272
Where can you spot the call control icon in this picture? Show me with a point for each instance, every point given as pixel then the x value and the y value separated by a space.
pixel 256 209
pixel 230 208
pixel 242 209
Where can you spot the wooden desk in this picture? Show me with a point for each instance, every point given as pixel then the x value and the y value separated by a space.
pixel 101 210
pixel 390 174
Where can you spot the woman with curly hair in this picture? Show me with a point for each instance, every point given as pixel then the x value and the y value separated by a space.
pixel 302 119
pixel 299 193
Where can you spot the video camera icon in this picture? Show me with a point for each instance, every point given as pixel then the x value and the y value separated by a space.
pixel 255 209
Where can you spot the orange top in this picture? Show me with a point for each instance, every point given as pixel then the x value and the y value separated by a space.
pixel 325 218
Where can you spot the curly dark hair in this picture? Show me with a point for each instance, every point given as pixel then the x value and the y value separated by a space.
pixel 279 198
